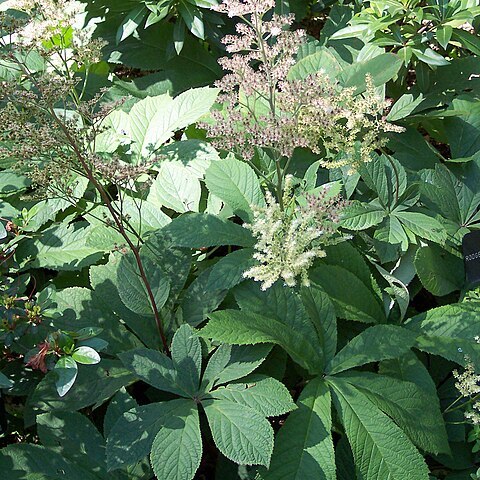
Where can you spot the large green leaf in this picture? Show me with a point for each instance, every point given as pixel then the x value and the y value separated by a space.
pixel 319 59
pixel 463 128
pixel 187 358
pixel 423 226
pixel 380 448
pixel 12 182
pixel 385 176
pixel 176 187
pixel 242 434
pixel 60 247
pixel 381 68
pixel 322 314
pixel 105 298
pixel 228 271
pixel 439 271
pixel 245 328
pixel 404 106
pixel 414 410
pixel 23 461
pixel 264 394
pixel 154 120
pixel 409 369
pixel 74 435
pixel 376 343
pixel 360 216
pixel 196 155
pixel 120 403
pixel 155 368
pixel 177 448
pixel 199 230
pixel 94 385
pixel 352 299
pixel 132 436
pixel 230 362
pixel 441 191
pixel 132 289
pixel 448 331
pixel 236 184
pixel 304 446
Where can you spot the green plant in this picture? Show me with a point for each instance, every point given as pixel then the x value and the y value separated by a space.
pixel 235 411
pixel 262 280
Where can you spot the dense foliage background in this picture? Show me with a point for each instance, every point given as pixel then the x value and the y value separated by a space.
pixel 239 258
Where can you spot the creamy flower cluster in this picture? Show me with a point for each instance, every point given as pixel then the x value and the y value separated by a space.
pixel 289 240
pixel 468 384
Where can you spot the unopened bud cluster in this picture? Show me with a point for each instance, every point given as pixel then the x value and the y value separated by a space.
pixel 289 240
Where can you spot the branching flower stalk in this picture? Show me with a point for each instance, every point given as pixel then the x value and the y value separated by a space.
pixel 34 128
pixel 267 107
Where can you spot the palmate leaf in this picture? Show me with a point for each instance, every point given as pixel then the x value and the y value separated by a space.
pixel 376 343
pixel 304 446
pixel 274 316
pixel 380 449
pixel 177 448
pixel 242 434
